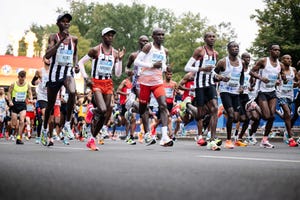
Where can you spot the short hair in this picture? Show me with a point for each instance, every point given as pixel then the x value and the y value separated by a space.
pixel 22 73
pixel 271 46
pixel 230 43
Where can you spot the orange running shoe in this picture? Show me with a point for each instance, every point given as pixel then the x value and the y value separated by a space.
pixel 91 145
pixel 101 141
pixel 141 138
pixel 240 143
pixel 228 144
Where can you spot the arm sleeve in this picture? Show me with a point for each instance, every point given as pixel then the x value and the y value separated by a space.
pixel 139 61
pixel 189 66
pixel 81 63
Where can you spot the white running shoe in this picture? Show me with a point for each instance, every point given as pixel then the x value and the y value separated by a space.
pixel 266 144
pixel 149 140
pixel 166 142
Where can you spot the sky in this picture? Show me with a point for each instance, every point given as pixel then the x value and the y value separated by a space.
pixel 16 16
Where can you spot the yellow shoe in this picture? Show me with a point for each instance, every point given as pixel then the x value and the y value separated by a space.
pixel 141 138
pixel 240 143
pixel 228 144
pixel 101 141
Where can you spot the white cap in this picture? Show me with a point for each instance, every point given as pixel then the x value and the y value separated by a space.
pixel 108 29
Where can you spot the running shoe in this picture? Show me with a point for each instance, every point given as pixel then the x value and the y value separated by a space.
pixel 26 138
pixel 50 142
pixel 286 137
pixel 66 141
pixel 228 144
pixel 218 141
pixel 174 138
pixel 298 141
pixel 37 140
pixel 44 137
pixel 19 141
pixel 91 145
pixel 12 138
pixel 266 144
pixel 81 139
pixel 212 145
pixel 166 142
pixel 240 143
pixel 141 138
pixel 1 135
pixel 251 140
pixel 104 132
pixel 131 141
pixel 101 141
pixel 292 143
pixel 149 140
pixel 68 132
pixel 56 137
pixel 202 142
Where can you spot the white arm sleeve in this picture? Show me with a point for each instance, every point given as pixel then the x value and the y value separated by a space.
pixel 81 63
pixel 189 66
pixel 139 61
pixel 118 68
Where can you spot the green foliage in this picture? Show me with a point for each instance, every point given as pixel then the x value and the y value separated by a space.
pixel 9 50
pixel 278 23
pixel 183 33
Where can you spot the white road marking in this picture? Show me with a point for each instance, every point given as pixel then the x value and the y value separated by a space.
pixel 73 148
pixel 252 159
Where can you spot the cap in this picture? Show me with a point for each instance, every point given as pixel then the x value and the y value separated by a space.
pixel 67 15
pixel 107 30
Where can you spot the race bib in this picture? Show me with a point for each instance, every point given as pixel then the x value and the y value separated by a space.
pixel 64 57
pixel 20 96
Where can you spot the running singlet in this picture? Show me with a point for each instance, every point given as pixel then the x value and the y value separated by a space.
pixel 170 91
pixel 234 73
pixel 287 90
pixel 271 73
pixel 41 88
pixel 103 65
pixel 153 76
pixel 62 62
pixel 19 93
pixel 205 79
pixel 127 89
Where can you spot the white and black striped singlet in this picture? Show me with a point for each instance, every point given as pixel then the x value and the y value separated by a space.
pixel 102 66
pixel 62 62
pixel 205 79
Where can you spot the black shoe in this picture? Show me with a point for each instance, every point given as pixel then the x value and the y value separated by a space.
pixel 18 141
pixel 50 144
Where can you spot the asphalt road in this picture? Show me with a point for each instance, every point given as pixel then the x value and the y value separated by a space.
pixel 120 171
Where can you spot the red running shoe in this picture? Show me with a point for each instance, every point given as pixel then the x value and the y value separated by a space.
pixel 292 143
pixel 91 145
pixel 201 142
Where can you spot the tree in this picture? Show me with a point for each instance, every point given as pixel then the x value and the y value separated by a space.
pixel 278 23
pixel 187 35
pixel 9 50
pixel 22 47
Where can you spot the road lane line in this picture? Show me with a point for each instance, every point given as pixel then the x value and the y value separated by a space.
pixel 252 159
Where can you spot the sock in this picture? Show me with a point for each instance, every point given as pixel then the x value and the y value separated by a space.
pixel 164 132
